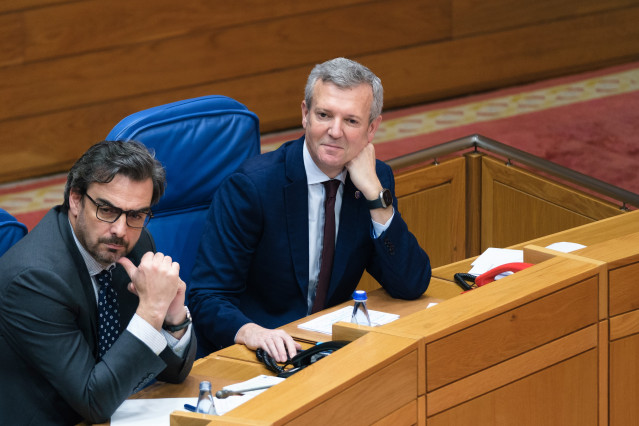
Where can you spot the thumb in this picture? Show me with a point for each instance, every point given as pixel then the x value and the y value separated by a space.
pixel 129 267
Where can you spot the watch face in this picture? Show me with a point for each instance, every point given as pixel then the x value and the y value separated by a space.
pixel 388 198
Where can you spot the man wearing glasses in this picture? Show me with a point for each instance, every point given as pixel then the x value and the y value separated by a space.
pixel 89 312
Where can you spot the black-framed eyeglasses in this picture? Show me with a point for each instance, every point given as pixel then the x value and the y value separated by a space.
pixel 134 218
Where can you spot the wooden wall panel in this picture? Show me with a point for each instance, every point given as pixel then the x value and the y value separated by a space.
pixel 204 57
pixel 480 16
pixel 91 25
pixel 518 206
pixel 69 70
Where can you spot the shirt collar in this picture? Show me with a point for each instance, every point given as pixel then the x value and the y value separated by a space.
pixel 313 173
pixel 93 265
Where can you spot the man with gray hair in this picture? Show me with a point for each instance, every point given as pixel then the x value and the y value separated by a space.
pixel 89 312
pixel 292 231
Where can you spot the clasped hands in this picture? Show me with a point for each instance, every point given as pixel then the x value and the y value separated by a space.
pixel 156 281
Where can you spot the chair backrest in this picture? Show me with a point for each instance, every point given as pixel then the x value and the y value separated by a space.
pixel 199 142
pixel 11 231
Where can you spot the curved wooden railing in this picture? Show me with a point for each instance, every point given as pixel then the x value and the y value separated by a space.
pixel 478 142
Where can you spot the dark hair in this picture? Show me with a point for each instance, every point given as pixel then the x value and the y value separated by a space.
pixel 104 160
pixel 345 74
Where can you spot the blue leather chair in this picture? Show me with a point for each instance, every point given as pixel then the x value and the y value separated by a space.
pixel 11 231
pixel 199 142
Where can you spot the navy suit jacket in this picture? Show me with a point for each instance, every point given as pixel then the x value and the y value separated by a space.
pixel 49 367
pixel 252 263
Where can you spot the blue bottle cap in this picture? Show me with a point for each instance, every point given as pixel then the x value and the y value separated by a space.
pixel 360 295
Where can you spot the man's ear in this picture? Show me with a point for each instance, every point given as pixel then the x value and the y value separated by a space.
pixel 304 114
pixel 75 202
pixel 372 128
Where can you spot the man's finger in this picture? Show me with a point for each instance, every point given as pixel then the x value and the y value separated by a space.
pixel 129 267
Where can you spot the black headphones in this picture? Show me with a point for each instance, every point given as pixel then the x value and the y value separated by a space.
pixel 301 360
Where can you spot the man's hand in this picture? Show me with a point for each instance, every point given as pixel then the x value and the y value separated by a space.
pixel 363 174
pixel 362 171
pixel 156 281
pixel 275 342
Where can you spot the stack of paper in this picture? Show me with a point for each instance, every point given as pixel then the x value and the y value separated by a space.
pixel 324 324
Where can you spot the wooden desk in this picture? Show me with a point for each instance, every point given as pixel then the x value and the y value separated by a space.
pixel 538 347
pixel 378 300
pixel 591 234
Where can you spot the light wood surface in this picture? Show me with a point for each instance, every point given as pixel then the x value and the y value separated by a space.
pixel 529 349
pixel 77 68
pixel 624 381
pixel 559 395
pixel 378 300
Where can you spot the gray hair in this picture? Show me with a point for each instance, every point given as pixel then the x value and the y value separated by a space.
pixel 104 160
pixel 346 73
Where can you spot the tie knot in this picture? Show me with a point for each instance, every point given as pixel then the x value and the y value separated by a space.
pixel 104 278
pixel 331 187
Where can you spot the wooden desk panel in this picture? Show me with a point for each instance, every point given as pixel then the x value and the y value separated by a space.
pixel 562 394
pixel 624 381
pixel 486 302
pixel 368 380
pixel 511 333
pixel 624 294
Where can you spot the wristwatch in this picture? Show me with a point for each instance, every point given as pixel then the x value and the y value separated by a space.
pixel 384 200
pixel 180 326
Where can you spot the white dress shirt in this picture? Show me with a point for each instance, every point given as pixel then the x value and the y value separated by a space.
pixel 316 194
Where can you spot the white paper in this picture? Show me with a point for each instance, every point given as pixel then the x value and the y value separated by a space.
pixel 324 323
pixel 151 412
pixel 156 412
pixel 224 405
pixel 493 257
pixel 565 247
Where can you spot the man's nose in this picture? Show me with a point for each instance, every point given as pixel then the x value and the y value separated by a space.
pixel 119 226
pixel 335 129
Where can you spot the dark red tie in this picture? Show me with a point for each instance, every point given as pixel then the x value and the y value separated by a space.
pixel 328 246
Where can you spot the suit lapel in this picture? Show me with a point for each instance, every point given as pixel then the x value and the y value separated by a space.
pixel 296 206
pixel 86 291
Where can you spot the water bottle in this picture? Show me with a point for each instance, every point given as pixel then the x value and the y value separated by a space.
pixel 360 311
pixel 205 399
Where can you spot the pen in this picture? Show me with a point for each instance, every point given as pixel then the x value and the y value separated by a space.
pixel 189 407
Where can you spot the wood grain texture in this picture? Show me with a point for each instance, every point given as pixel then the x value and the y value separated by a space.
pixel 511 370
pixel 624 381
pixel 70 70
pixel 477 16
pixel 562 394
pixel 512 333
pixel 519 206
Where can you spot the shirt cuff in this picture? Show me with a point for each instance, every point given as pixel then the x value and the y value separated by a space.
pixel 378 228
pixel 147 334
pixel 178 346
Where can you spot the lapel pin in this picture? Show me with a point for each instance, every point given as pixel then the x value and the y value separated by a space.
pixel 358 195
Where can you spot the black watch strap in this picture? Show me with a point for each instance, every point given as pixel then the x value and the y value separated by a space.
pixel 384 200
pixel 180 326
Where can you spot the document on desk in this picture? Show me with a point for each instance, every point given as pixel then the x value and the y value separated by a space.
pixel 157 412
pixel 324 324
pixel 493 257
pixel 151 412
pixel 224 405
